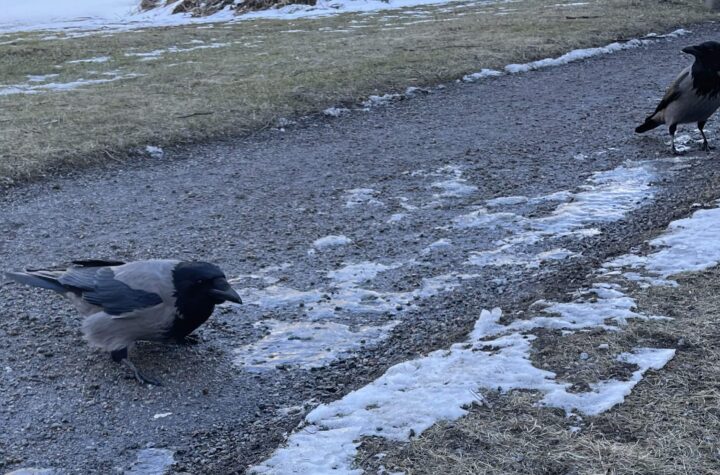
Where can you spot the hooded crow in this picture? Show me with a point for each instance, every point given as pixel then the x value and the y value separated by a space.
pixel 693 96
pixel 157 300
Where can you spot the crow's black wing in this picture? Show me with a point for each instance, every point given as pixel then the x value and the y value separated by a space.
pixel 115 297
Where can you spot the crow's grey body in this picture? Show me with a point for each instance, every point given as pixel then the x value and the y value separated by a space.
pixel 148 320
pixel 145 300
pixel 690 105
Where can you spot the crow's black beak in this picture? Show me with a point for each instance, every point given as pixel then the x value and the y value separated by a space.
pixel 223 291
pixel 690 50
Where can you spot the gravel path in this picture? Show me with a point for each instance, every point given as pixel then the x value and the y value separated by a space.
pixel 256 205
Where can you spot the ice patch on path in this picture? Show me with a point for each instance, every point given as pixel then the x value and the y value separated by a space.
pixel 439 244
pixel 606 394
pixel 307 344
pixel 344 294
pixel 505 256
pixel 361 272
pixel 506 200
pixel 331 241
pixel 396 217
pixel 152 462
pixel 361 196
pixel 607 197
pixel 412 396
pixel 689 245
pixel 454 186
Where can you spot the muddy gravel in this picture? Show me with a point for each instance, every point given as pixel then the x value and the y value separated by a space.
pixel 255 206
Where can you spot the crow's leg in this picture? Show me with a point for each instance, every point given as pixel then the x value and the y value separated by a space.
pixel 673 128
pixel 121 356
pixel 705 147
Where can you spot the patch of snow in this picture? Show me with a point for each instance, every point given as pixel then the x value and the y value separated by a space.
pixel 606 394
pixel 361 196
pixel 412 396
pixel 454 188
pixel 439 244
pixel 396 217
pixel 158 53
pixel 360 272
pixel 162 415
pixel 345 295
pixel 64 86
pixel 375 101
pixel 482 74
pixel 41 78
pixel 506 201
pixel 689 245
pixel 307 344
pixel 155 152
pixel 152 462
pixel 608 196
pixel 574 55
pixel 335 111
pixel 331 241
pixel 99 59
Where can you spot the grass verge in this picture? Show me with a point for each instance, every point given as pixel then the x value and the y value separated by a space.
pixel 193 83
pixel 670 424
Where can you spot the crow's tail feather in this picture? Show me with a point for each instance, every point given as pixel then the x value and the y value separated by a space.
pixel 37 280
pixel 649 124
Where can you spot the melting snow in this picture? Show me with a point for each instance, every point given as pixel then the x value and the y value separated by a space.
pixel 155 54
pixel 606 394
pixel 331 241
pixel 63 86
pixel 361 196
pixel 152 462
pixel 41 78
pixel 482 74
pixel 335 111
pixel 506 200
pixel 99 59
pixel 689 245
pixel 155 152
pixel 412 396
pixel 607 197
pixel 307 344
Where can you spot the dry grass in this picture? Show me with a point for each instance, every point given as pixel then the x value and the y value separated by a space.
pixel 272 69
pixel 670 424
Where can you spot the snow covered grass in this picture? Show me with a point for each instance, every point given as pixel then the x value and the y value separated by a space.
pixel 198 82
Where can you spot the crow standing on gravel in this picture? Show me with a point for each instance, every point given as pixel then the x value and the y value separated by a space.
pixel 144 300
pixel 693 96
